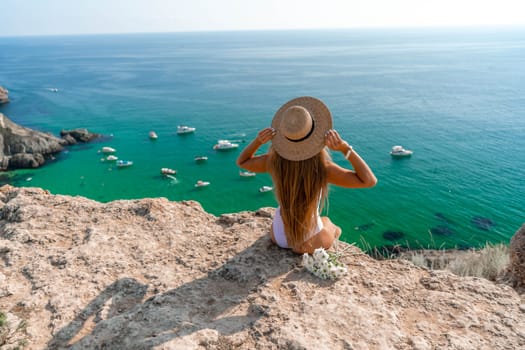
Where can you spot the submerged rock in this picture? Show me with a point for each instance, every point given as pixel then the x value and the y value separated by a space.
pixel 393 235
pixel 442 230
pixel 483 222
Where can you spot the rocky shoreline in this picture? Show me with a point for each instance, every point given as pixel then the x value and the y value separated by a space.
pixel 21 147
pixel 4 97
pixel 155 274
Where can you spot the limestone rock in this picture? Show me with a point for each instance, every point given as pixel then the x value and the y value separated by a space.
pixel 156 274
pixel 517 257
pixel 24 147
pixel 4 98
pixel 26 160
pixel 78 135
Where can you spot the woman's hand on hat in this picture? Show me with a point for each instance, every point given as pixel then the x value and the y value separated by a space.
pixel 265 135
pixel 334 141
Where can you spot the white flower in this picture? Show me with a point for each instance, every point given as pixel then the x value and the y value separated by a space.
pixel 320 254
pixel 306 259
pixel 308 262
pixel 324 265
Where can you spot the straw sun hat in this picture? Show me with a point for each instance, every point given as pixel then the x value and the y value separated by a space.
pixel 301 125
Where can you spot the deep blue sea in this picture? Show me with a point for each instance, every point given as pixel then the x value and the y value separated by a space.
pixel 456 97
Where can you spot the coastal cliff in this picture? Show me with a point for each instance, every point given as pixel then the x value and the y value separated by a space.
pixel 156 274
pixel 22 147
pixel 4 98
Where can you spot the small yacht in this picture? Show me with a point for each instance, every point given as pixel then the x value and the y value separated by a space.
pixel 106 149
pixel 224 145
pixel 201 183
pixel 266 189
pixel 201 159
pixel 183 129
pixel 399 151
pixel 111 158
pixel 168 171
pixel 246 173
pixel 124 163
pixel 153 135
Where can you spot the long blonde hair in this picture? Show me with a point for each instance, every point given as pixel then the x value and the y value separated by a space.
pixel 300 187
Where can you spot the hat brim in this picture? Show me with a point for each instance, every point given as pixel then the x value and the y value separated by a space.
pixel 309 147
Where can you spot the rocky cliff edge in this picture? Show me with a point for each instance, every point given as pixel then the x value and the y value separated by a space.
pixel 4 97
pixel 155 274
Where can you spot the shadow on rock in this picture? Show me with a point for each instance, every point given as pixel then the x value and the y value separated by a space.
pixel 218 302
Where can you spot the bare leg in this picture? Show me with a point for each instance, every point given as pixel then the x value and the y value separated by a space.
pixel 323 239
pixel 329 225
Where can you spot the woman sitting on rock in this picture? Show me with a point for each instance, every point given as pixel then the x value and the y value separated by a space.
pixel 301 170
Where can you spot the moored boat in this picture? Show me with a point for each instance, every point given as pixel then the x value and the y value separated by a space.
pixel 153 135
pixel 246 173
pixel 266 189
pixel 201 183
pixel 201 159
pixel 124 163
pixel 399 151
pixel 168 171
pixel 184 129
pixel 107 149
pixel 225 145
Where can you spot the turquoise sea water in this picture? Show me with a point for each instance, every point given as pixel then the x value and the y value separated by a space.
pixel 454 96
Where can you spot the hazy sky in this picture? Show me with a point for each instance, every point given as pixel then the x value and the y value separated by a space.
pixel 43 17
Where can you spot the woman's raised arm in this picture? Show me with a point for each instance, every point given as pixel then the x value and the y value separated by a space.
pixel 247 160
pixel 362 176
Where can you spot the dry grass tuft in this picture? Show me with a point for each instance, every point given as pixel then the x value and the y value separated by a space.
pixel 488 262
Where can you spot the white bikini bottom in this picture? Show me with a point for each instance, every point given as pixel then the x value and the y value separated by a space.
pixel 278 229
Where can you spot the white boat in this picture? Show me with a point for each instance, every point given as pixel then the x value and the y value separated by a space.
pixel 153 135
pixel 202 183
pixel 124 163
pixel 266 189
pixel 224 145
pixel 168 171
pixel 246 173
pixel 111 158
pixel 201 158
pixel 183 129
pixel 108 150
pixel 399 151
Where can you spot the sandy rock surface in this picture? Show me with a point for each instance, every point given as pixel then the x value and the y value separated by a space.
pixel 155 274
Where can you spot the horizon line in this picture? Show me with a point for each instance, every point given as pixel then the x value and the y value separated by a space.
pixel 203 31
